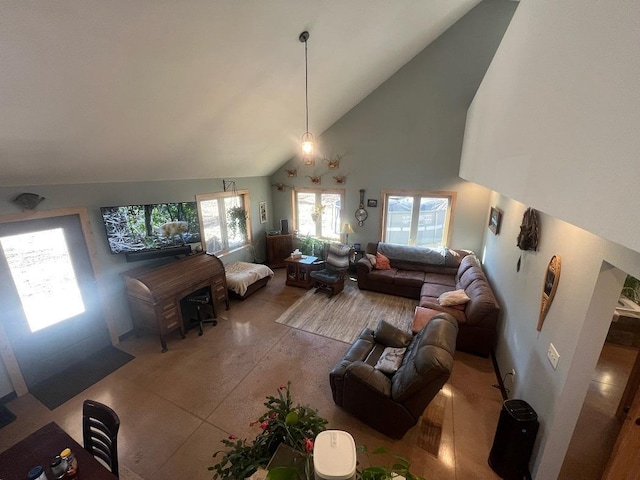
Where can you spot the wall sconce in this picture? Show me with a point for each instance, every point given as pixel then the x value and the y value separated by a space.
pixel 291 173
pixel 315 179
pixel 333 163
pixel 340 179
pixel 281 187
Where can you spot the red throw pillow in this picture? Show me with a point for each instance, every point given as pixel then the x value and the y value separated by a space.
pixel 382 262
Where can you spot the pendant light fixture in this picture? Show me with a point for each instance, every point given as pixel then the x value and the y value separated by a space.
pixel 307 139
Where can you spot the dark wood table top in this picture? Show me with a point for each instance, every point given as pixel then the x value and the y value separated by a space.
pixel 41 447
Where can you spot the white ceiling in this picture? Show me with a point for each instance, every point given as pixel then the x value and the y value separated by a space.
pixel 132 90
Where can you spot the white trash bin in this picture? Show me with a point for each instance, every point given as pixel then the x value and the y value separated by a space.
pixel 334 456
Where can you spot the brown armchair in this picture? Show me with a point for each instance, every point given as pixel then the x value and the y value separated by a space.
pixel 393 403
pixel 330 278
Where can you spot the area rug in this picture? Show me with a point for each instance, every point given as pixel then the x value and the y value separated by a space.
pixel 343 316
pixel 430 424
pixel 6 416
pixel 65 385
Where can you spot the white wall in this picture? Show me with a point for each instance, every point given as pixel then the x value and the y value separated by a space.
pixel 555 122
pixel 576 324
pixel 408 133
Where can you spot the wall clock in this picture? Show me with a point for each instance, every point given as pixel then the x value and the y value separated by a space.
pixel 551 279
pixel 361 213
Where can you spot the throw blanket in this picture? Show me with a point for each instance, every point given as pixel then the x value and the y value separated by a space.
pixel 242 274
pixel 431 256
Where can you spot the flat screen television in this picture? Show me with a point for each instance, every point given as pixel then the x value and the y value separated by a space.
pixel 151 230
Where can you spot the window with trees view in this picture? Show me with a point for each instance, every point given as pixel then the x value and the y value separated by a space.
pixel 318 212
pixel 417 218
pixel 224 222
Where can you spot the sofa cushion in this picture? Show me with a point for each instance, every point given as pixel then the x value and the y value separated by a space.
pixel 390 360
pixel 440 279
pixel 409 278
pixel 390 335
pixel 468 262
pixel 421 317
pixel 434 290
pixel 383 276
pixel 470 276
pixel 482 304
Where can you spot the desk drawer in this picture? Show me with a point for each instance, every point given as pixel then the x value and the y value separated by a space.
pixel 170 317
pixel 219 291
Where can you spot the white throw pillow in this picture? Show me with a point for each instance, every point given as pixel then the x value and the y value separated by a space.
pixel 372 259
pixel 390 360
pixel 456 297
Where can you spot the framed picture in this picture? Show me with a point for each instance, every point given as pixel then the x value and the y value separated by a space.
pixel 263 212
pixel 495 218
pixel 372 202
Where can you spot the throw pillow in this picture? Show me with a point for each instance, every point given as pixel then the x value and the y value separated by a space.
pixel 372 259
pixel 456 297
pixel 382 262
pixel 390 360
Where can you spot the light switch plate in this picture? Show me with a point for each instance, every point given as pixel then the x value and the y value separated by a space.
pixel 553 356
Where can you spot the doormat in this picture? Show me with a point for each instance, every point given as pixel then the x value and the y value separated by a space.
pixel 6 416
pixel 65 385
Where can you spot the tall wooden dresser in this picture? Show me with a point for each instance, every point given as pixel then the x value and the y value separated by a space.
pixel 154 294
pixel 279 247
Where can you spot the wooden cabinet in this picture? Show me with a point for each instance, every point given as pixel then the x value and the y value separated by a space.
pixel 279 247
pixel 154 294
pixel 298 271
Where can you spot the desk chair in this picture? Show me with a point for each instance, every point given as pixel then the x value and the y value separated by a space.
pixel 100 425
pixel 331 278
pixel 200 299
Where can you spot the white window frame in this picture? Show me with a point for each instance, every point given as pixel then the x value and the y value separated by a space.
pixel 414 223
pixel 244 201
pixel 318 192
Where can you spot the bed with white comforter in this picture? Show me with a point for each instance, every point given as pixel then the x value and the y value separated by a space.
pixel 242 275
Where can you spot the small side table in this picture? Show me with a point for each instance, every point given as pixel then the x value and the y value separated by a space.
pixel 354 257
pixel 298 270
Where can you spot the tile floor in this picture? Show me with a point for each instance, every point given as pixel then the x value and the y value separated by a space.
pixel 177 406
pixel 586 459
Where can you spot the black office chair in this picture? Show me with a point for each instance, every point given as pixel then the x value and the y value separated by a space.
pixel 100 425
pixel 200 299
pixel 331 278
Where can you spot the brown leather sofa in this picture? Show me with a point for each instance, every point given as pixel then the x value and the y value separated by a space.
pixel 392 404
pixel 425 281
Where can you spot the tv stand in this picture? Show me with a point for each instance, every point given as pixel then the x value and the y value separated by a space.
pixel 157 253
pixel 154 294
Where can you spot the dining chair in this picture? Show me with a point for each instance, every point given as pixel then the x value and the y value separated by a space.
pixel 100 425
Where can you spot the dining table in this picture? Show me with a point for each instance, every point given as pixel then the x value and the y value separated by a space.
pixel 41 447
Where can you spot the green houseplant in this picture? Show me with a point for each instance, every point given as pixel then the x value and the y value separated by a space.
pixel 237 221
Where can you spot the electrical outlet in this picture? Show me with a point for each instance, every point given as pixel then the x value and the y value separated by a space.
pixel 553 356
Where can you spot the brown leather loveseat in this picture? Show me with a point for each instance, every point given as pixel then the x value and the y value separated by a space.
pixel 393 402
pixel 425 274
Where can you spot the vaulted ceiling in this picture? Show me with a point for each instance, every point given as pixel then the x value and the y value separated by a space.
pixel 133 90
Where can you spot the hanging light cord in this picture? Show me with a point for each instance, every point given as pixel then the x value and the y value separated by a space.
pixel 306 85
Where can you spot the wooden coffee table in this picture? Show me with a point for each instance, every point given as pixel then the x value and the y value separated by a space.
pixel 298 270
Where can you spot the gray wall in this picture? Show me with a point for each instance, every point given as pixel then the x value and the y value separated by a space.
pixel 408 133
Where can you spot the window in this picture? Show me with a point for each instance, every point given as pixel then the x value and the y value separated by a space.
pixel 317 212
pixel 417 218
pixel 224 222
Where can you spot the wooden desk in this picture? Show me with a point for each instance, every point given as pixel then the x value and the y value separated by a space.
pixel 41 447
pixel 298 270
pixel 154 294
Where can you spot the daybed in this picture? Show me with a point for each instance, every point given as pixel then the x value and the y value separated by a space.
pixel 244 278
pixel 425 274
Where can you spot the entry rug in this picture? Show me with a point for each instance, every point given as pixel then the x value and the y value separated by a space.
pixel 344 315
pixel 56 390
pixel 6 416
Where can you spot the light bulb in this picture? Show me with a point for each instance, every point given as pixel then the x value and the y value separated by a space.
pixel 307 147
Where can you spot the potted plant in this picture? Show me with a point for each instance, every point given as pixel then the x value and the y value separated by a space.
pixel 400 466
pixel 237 221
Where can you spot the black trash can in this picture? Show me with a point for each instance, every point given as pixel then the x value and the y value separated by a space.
pixel 513 443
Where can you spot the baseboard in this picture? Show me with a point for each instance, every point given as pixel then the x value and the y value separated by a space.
pixel 500 384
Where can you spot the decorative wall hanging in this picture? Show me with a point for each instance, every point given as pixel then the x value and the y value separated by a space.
pixel 551 280
pixel 315 179
pixel 281 187
pixel 28 201
pixel 262 206
pixel 372 202
pixel 495 219
pixel 340 179
pixel 361 213
pixel 309 161
pixel 292 172
pixel 528 236
pixel 333 163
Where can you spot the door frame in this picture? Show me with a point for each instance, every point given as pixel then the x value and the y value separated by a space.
pixel 6 351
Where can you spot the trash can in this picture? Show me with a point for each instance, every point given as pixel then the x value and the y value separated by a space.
pixel 514 439
pixel 334 456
